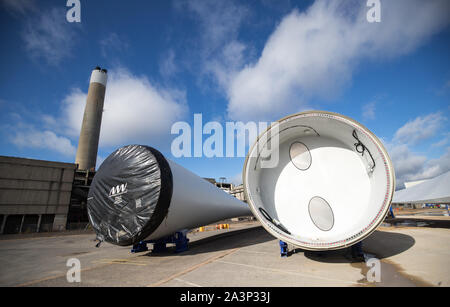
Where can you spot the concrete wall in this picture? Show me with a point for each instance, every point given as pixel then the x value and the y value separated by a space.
pixel 35 187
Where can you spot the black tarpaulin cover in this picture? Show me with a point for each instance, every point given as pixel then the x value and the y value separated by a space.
pixel 130 195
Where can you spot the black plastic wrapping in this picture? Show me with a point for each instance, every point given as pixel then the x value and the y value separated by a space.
pixel 130 195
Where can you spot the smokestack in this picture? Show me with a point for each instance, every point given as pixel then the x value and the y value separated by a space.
pixel 86 157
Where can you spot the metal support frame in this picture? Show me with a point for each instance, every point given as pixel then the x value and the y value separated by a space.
pixel 159 246
pixel 140 247
pixel 283 249
pixel 391 212
pixel 356 250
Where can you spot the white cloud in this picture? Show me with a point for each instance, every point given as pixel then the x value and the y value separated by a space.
pixel 219 20
pixel 48 35
pixel 135 111
pixel 314 53
pixel 220 51
pixel 31 137
pixel 419 129
pixel 19 6
pixel 112 43
pixel 167 67
pixel 444 89
pixel 72 113
pixel 369 111
pixel 408 165
pixel 225 67
pixel 236 179
pixel 99 161
pixel 444 141
pixel 446 86
pixel 438 166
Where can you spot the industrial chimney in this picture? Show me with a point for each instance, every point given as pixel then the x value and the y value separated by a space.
pixel 86 157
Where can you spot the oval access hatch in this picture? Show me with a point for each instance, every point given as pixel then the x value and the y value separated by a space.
pixel 300 156
pixel 321 213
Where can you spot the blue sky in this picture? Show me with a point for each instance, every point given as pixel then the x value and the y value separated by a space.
pixel 228 60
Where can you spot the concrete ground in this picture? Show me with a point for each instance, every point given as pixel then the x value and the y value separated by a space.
pixel 245 255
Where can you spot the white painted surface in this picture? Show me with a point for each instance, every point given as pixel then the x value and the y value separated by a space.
pixel 413 183
pixel 436 190
pixel 99 77
pixel 300 155
pixel 196 202
pixel 358 198
pixel 321 213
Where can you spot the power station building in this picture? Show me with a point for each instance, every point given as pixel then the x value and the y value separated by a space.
pixel 36 195
pixel 42 196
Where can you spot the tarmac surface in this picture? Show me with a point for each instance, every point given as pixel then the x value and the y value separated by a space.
pixel 244 255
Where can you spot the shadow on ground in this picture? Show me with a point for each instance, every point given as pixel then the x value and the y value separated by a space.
pixel 222 241
pixel 418 222
pixel 381 244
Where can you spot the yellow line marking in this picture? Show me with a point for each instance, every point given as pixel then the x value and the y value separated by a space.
pixel 119 261
pixel 212 259
pixel 28 283
pixel 187 282
pixel 132 261
pixel 104 263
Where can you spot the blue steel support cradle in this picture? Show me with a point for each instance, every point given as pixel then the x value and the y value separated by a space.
pixel 140 247
pixel 181 242
pixel 391 212
pixel 356 250
pixel 283 249
pixel 179 239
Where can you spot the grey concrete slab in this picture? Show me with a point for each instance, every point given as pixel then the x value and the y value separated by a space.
pixel 245 255
pixel 421 254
